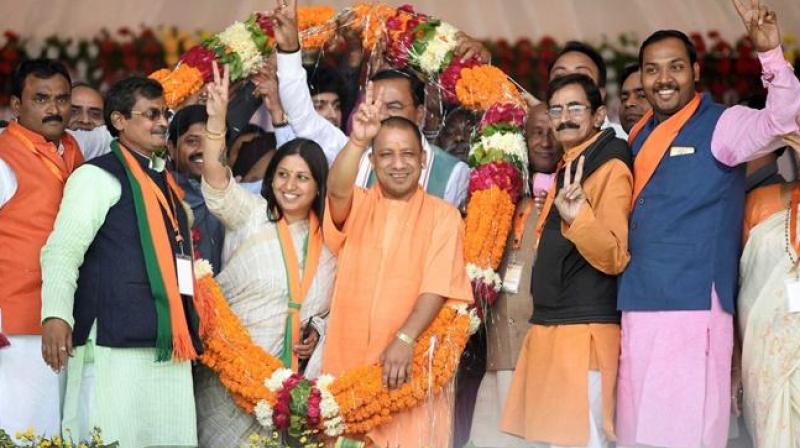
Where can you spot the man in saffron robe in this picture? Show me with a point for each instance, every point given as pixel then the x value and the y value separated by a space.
pixel 400 259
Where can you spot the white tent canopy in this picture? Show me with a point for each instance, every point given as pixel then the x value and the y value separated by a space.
pixel 590 20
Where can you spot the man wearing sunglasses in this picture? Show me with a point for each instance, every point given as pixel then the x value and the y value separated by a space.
pixel 37 154
pixel 562 392
pixel 117 284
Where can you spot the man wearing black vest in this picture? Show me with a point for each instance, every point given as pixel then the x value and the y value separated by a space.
pixel 678 294
pixel 562 392
pixel 117 285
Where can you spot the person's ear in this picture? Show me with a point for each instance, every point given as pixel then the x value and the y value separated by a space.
pixel 16 104
pixel 599 117
pixel 118 121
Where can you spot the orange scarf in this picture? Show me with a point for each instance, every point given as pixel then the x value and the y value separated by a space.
pixel 61 166
pixel 173 338
pixel 657 143
pixel 573 154
pixel 297 289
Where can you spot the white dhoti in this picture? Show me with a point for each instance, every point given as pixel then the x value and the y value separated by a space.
pixel 30 392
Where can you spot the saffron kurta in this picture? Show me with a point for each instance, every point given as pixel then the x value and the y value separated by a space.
pixel 389 253
pixel 549 400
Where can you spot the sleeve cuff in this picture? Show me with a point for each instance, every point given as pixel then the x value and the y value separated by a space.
pixel 211 192
pixel 772 62
pixel 585 216
pixel 61 311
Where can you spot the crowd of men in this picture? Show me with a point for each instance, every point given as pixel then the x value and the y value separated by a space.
pixel 650 285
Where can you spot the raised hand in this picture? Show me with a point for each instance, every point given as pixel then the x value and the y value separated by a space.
pixel 467 47
pixel 571 197
pixel 284 21
pixel 266 82
pixel 367 119
pixel 761 24
pixel 217 103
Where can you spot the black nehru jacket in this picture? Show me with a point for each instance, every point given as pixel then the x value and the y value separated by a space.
pixel 566 288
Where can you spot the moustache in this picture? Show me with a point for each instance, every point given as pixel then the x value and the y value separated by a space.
pixel 50 118
pixel 670 86
pixel 160 131
pixel 568 125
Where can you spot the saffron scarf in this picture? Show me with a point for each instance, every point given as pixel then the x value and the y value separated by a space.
pixel 61 166
pixel 298 289
pixel 573 153
pixel 173 338
pixel 657 143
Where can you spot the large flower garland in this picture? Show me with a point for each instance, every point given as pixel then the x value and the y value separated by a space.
pixel 352 403
pixel 427 45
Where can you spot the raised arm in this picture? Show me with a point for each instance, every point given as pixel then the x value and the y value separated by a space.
pixel 366 124
pixel 215 171
pixel 293 89
pixel 743 134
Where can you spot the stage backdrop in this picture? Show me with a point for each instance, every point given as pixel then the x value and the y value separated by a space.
pixel 492 19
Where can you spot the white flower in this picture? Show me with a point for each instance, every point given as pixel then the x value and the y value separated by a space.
pixel 52 52
pixel 202 268
pixel 73 48
pixel 334 427
pixel 511 143
pixel 92 50
pixel 474 321
pixel 324 381
pixel 473 271
pixel 238 38
pixel 33 47
pixel 82 68
pixel 263 413
pixel 461 308
pixel 442 43
pixel 275 382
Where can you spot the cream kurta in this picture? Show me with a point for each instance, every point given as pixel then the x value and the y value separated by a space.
pixel 254 282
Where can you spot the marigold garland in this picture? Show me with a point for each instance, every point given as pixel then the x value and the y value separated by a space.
pixel 483 86
pixel 315 25
pixel 489 215
pixel 426 45
pixel 353 403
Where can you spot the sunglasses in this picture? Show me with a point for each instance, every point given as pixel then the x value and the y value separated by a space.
pixel 154 114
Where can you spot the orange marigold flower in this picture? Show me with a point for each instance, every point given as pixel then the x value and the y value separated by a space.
pixel 485 85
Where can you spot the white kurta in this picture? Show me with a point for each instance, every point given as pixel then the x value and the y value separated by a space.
pixel 253 279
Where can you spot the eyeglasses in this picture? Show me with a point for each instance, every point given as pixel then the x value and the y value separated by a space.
pixel 573 110
pixel 154 114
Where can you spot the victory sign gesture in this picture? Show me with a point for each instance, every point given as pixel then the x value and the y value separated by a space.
pixel 284 20
pixel 571 197
pixel 761 24
pixel 367 119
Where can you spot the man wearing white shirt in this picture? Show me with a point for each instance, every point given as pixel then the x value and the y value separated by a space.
pixel 402 95
pixel 36 157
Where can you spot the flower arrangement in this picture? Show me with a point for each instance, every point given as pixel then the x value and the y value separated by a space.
pixel 298 408
pixel 243 46
pixel 102 59
pixel 315 25
pixel 29 439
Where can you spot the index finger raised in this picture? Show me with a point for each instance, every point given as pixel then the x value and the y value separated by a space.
pixel 215 70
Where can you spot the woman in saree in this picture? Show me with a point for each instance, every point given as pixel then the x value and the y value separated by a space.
pixel 277 274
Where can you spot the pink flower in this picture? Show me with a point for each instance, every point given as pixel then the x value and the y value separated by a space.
pixel 499 173
pixel 281 421
pixel 503 113
pixel 200 58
